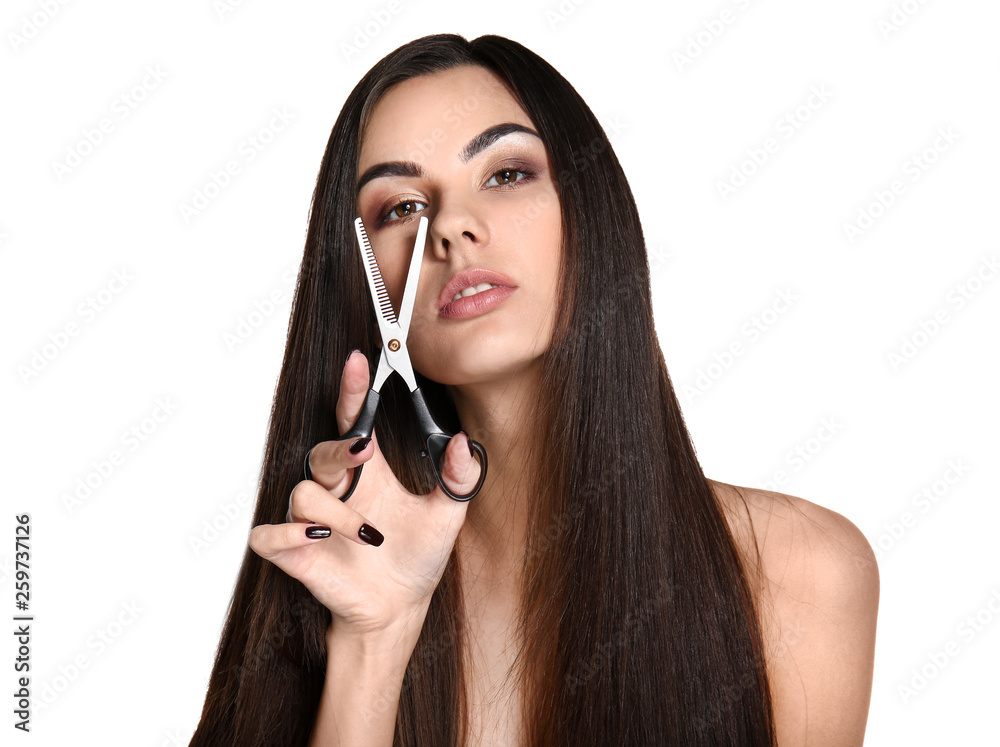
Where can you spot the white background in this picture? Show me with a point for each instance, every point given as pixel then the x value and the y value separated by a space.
pixel 874 434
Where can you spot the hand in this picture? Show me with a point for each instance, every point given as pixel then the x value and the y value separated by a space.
pixel 368 588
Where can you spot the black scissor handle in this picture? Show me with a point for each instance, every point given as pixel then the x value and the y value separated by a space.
pixel 362 428
pixel 435 442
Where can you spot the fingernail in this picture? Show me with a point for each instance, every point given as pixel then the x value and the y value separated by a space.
pixel 371 535
pixel 317 532
pixel 350 354
pixel 468 441
pixel 360 445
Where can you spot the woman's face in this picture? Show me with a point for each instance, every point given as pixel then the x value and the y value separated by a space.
pixel 456 147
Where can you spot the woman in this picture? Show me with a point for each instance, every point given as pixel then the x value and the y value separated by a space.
pixel 599 589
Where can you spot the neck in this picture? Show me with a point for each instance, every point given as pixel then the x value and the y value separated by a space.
pixel 500 416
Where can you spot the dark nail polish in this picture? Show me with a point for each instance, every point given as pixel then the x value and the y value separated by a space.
pixel 360 445
pixel 371 535
pixel 317 532
pixel 468 442
pixel 350 354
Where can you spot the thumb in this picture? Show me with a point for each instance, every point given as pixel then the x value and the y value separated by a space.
pixel 459 469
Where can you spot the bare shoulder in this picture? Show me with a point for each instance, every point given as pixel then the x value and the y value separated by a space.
pixel 797 541
pixel 818 588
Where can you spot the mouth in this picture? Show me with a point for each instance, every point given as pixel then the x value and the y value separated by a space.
pixel 474 292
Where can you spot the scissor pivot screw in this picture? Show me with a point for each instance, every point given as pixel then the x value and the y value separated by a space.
pixel 394 345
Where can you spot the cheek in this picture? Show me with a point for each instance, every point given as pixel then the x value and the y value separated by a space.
pixel 549 244
pixel 532 218
pixel 535 231
pixel 533 227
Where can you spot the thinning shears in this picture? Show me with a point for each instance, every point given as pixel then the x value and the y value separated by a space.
pixel 396 358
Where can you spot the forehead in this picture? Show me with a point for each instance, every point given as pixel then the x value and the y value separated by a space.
pixel 437 112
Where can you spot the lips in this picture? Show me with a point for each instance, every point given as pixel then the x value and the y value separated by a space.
pixel 472 278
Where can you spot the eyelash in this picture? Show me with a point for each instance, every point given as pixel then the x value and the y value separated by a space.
pixel 527 175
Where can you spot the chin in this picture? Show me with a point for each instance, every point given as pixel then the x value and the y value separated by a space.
pixel 482 362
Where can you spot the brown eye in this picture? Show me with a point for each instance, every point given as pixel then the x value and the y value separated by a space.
pixel 507 177
pixel 404 210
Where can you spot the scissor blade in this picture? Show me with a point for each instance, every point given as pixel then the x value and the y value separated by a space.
pixel 380 296
pixel 413 276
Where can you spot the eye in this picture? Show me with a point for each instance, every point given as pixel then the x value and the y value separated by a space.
pixel 506 177
pixel 403 210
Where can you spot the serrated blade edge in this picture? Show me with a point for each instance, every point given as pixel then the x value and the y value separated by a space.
pixel 381 299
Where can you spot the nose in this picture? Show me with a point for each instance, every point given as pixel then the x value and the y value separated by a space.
pixel 457 228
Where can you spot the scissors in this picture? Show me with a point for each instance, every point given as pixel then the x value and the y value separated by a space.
pixel 396 358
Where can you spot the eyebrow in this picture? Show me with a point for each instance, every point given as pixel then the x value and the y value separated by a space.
pixel 479 143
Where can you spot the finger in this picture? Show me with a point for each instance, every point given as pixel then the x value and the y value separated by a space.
pixel 460 470
pixel 331 462
pixel 353 388
pixel 311 502
pixel 269 540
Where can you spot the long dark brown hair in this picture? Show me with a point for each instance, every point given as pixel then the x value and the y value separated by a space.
pixel 638 620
